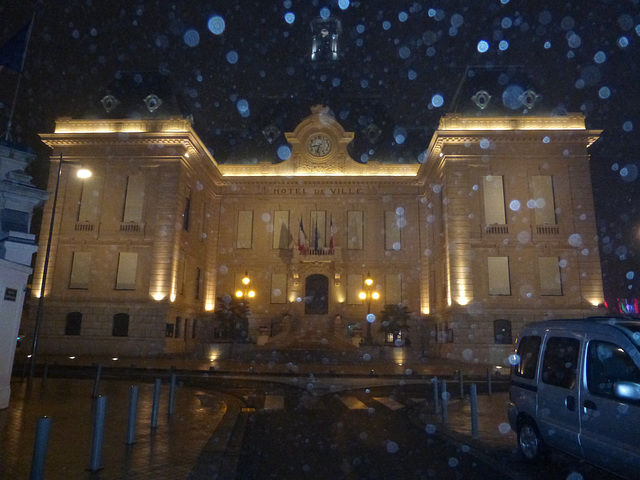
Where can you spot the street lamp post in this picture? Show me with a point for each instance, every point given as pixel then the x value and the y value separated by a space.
pixel 246 292
pixel 369 294
pixel 82 173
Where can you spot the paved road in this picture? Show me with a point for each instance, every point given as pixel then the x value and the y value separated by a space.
pixel 352 435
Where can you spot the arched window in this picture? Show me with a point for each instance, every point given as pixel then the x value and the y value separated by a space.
pixel 502 332
pixel 120 325
pixel 73 324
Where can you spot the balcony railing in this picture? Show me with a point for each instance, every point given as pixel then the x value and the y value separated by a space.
pixel 496 229
pixel 547 229
pixel 130 227
pixel 85 227
pixel 318 254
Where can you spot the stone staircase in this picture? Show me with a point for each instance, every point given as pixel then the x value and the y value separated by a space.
pixel 310 332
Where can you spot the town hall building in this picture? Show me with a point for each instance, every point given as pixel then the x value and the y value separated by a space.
pixel 489 227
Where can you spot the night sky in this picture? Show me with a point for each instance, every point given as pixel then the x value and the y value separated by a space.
pixel 582 55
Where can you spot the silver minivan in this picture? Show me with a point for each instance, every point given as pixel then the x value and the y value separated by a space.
pixel 575 387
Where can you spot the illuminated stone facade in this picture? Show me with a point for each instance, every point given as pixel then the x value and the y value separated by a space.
pixel 142 250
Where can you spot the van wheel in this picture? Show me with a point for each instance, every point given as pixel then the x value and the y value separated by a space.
pixel 529 440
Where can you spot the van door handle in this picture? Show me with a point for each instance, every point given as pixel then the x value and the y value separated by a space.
pixel 570 403
pixel 590 405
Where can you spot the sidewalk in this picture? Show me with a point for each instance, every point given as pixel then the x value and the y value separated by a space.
pixel 493 425
pixel 179 445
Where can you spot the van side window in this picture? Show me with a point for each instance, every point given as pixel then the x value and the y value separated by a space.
pixel 560 362
pixel 529 352
pixel 607 363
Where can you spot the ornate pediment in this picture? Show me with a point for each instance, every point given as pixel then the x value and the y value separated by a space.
pixel 319 144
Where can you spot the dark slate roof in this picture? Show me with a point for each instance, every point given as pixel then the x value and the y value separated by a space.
pixel 143 95
pixel 242 112
pixel 499 91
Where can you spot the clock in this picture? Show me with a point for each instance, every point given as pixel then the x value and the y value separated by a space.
pixel 319 145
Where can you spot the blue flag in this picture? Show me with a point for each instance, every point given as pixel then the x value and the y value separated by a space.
pixel 13 51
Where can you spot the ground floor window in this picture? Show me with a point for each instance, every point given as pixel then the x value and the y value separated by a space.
pixel 120 325
pixel 73 323
pixel 502 332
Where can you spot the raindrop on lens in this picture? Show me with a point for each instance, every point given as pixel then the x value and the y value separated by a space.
pixel 232 57
pixel 371 318
pixel 243 105
pixel 504 428
pixel 216 25
pixel 191 38
pixel 284 152
pixel 437 100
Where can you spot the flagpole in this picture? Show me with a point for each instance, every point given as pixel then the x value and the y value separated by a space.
pixel 7 135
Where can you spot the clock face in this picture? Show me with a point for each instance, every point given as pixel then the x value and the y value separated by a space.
pixel 319 145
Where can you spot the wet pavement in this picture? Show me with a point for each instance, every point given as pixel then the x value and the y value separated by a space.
pixel 203 437
pixel 203 421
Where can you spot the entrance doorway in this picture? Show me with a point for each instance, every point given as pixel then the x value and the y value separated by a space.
pixel 316 295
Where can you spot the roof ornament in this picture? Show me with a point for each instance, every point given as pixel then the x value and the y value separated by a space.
pixel 109 102
pixel 481 99
pixel 271 132
pixel 529 98
pixel 152 102
pixel 372 132
pixel 319 109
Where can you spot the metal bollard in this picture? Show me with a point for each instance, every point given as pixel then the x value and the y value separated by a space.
pixel 95 463
pixel 172 395
pixel 436 401
pixel 133 413
pixel 461 385
pixel 96 384
pixel 489 381
pixel 156 403
pixel 40 447
pixel 43 382
pixel 445 403
pixel 473 397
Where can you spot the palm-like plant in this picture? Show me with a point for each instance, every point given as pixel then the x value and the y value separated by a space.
pixel 395 319
pixel 232 317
